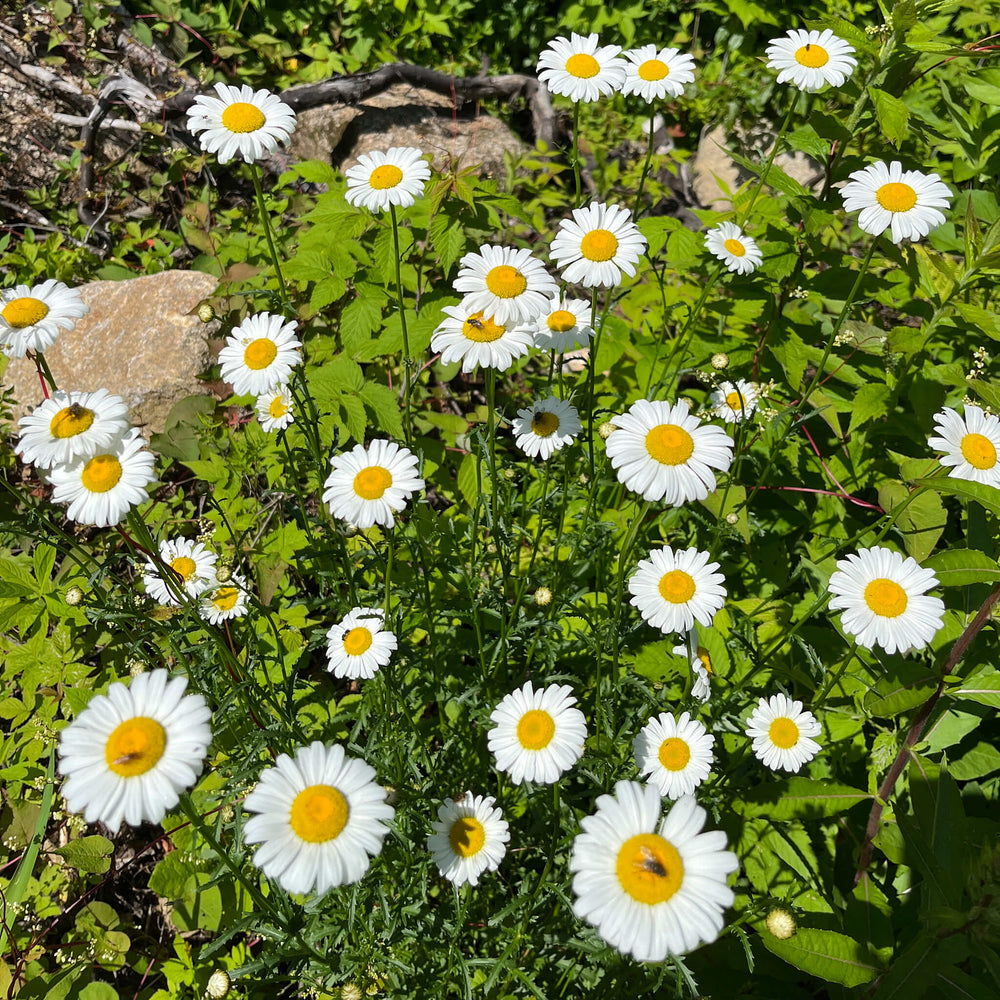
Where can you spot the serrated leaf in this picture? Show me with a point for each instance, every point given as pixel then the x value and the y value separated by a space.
pixel 468 484
pixel 892 114
pixel 384 403
pixel 358 321
pixel 448 241
pixel 829 955
pixel 962 567
pixel 776 177
pixel 316 172
pixel 799 798
pixel 91 855
pixel 870 401
pixel 682 247
pixel 356 419
pixel 329 289
pixel 307 265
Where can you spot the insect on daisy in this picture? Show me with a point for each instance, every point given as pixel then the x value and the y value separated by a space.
pixel 240 122
pixel 883 597
pixel 906 202
pixel 358 646
pixel 274 409
pixel 395 177
pixel 563 325
pixel 260 354
pixel 701 664
pixel 732 246
pixel 546 426
pixel 650 893
pixel 368 486
pixel 782 733
pixel 662 452
pixel 131 752
pixel 537 734
pixel 654 74
pixel 672 589
pixel 580 69
pixel 674 753
pixel 191 563
pixel 735 402
pixel 597 245
pixel 224 601
pixel 71 425
pixel 811 59
pixel 320 815
pixel 470 837
pixel 31 316
pixel 970 444
pixel 469 336
pixel 505 283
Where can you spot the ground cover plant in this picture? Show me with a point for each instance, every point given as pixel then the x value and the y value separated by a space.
pixel 568 600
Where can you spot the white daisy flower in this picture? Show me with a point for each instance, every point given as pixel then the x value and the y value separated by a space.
pixel 260 354
pixel 811 59
pixel 662 452
pixel 732 246
pixel 395 177
pixel 581 69
pixel 102 489
pixel 675 754
pixel 672 589
pixel 71 425
pixel 597 245
pixel 131 752
pixel 970 444
pixel 193 564
pixel 654 74
pixel 735 403
pixel 781 733
pixel 368 485
pixel 31 316
pixel 546 426
pixel 320 815
pixel 563 325
pixel 467 335
pixel 505 283
pixel 358 646
pixel 883 597
pixel 274 409
pixel 470 837
pixel 701 664
pixel 537 734
pixel 240 122
pixel 650 894
pixel 224 601
pixel 889 197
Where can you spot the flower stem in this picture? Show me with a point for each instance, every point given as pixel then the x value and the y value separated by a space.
pixel 407 429
pixel 645 166
pixel 266 223
pixel 576 152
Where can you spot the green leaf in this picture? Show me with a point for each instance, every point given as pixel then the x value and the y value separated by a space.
pixel 921 522
pixel 91 855
pixel 799 798
pixel 468 484
pixel 984 689
pixel 776 177
pixel 98 991
pixel 870 401
pixel 448 240
pixel 358 321
pixel 982 759
pixel 892 113
pixel 734 498
pixel 384 403
pixel 962 567
pixel 909 686
pixel 988 496
pixel 829 955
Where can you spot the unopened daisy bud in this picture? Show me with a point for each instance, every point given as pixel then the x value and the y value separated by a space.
pixel 136 667
pixel 584 479
pixel 606 429
pixel 350 991
pixel 227 814
pixel 781 924
pixel 223 574
pixel 74 596
pixel 543 597
pixel 720 361
pixel 206 313
pixel 509 473
pixel 732 517
pixel 218 985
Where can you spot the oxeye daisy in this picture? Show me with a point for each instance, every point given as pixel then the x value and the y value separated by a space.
pixel 701 664
pixel 546 426
pixel 240 122
pixel 597 245
pixel 71 425
pixel 469 336
pixel 674 753
pixel 260 354
pixel 811 59
pixel 654 74
pixel 224 601
pixel 970 444
pixel 883 597
pixel 581 69
pixel 782 733
pixel 537 734
pixel 470 837
pixel 650 892
pixel 395 177
pixel 562 325
pixel 507 284
pixel 358 646
pixel 274 409
pixel 662 452
pixel 735 402
pixel 100 490
pixel 732 246
pixel 368 486
pixel 192 564
pixel 320 815
pixel 906 202
pixel 672 589
pixel 131 752
pixel 31 316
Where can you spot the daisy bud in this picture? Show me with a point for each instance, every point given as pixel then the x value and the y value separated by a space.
pixel 720 361
pixel 543 597
pixel 509 473
pixel 136 667
pixel 223 574
pixel 350 991
pixel 781 924
pixel 206 313
pixel 227 814
pixel 732 518
pixel 218 985
pixel 606 429
pixel 73 596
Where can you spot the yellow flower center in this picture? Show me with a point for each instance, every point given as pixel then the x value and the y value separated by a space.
pixel 649 868
pixel 669 444
pixel 277 408
pixel 319 813
pixel 886 598
pixel 506 282
pixel 70 421
pixel 357 641
pixel 24 311
pixel 812 55
pixel 783 733
pixel 386 176
pixel 135 746
pixel 544 424
pixel 583 66
pixel 260 353
pixel 677 587
pixel 736 248
pixel 242 117
pixel 101 474
pixel 674 754
pixel 734 401
pixel 979 451
pixel 184 567
pixel 225 598
pixel 536 729
pixel 896 197
pixel 467 836
pixel 598 245
pixel 561 320
pixel 483 331
pixel 653 69
pixel 371 483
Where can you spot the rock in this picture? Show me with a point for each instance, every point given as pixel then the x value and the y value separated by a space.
pixel 142 339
